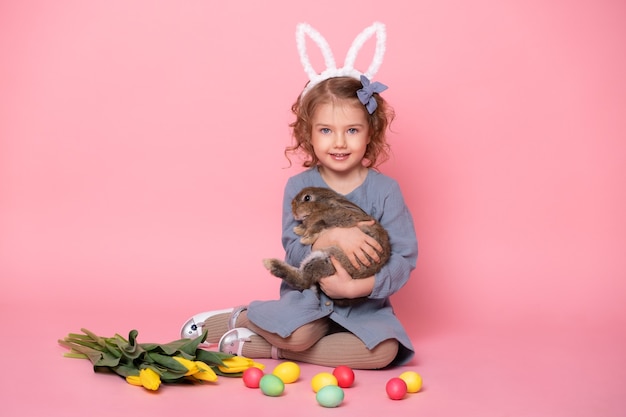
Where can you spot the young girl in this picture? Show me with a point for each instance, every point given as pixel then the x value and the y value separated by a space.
pixel 340 126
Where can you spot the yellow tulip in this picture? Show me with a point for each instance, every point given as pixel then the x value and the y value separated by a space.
pixel 191 366
pixel 149 379
pixel 134 380
pixel 236 364
pixel 205 373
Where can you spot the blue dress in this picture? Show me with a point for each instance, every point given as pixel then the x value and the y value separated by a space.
pixel 373 320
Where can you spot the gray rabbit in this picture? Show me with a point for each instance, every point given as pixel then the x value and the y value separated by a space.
pixel 317 209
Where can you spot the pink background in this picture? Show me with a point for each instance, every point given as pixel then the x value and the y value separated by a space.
pixel 141 178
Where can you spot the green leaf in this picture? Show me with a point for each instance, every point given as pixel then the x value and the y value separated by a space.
pixel 126 370
pixel 168 362
pixel 187 346
pixel 132 337
pixel 120 337
pixel 165 373
pixel 149 347
pixel 169 349
pixel 170 376
pixel 107 359
pixel 228 375
pixel 211 358
pixel 112 349
pixel 130 348
pixel 183 347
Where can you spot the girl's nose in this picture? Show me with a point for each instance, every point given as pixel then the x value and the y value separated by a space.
pixel 340 140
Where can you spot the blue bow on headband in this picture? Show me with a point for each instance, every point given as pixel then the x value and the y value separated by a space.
pixel 365 94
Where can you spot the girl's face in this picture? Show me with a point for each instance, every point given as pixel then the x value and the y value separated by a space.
pixel 340 134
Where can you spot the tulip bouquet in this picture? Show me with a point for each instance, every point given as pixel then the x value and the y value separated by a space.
pixel 149 364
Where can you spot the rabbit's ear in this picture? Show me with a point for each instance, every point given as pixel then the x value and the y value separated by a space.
pixel 305 29
pixel 381 38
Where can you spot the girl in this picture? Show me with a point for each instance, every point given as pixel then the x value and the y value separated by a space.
pixel 340 127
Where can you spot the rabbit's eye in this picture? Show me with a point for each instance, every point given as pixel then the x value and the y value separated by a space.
pixel 307 198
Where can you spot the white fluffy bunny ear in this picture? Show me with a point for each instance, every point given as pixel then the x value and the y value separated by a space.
pixel 381 39
pixel 304 29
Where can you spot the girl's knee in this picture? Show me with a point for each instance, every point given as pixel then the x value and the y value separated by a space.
pixel 305 337
pixel 385 353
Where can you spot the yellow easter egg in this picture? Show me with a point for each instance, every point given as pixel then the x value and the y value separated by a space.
pixel 413 381
pixel 288 372
pixel 323 379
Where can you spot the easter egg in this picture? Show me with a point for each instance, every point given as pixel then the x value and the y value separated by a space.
pixel 271 385
pixel 344 375
pixel 288 372
pixel 252 377
pixel 413 381
pixel 329 396
pixel 396 388
pixel 323 379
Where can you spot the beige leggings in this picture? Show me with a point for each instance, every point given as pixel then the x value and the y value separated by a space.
pixel 318 344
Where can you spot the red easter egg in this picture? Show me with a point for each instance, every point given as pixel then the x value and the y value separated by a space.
pixel 252 377
pixel 396 388
pixel 344 375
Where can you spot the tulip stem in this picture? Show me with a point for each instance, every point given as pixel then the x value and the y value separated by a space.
pixel 75 355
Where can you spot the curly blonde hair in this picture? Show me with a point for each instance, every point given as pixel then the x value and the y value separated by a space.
pixel 332 90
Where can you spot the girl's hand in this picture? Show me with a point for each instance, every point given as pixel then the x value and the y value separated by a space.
pixel 358 246
pixel 341 284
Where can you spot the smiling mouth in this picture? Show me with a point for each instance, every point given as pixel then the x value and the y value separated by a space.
pixel 340 155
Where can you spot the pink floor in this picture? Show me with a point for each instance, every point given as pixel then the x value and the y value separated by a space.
pixel 577 371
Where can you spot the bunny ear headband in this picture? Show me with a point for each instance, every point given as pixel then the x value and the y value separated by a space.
pixel 348 70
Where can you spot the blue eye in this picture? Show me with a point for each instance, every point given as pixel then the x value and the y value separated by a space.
pixel 353 130
pixel 325 130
